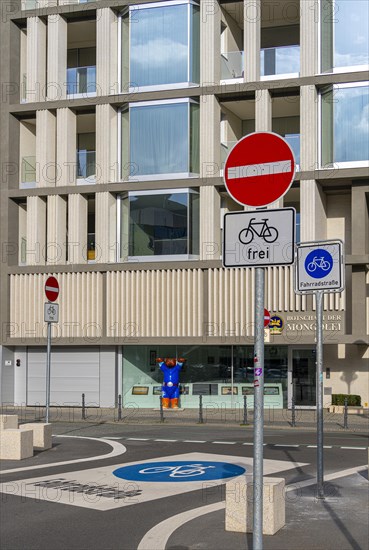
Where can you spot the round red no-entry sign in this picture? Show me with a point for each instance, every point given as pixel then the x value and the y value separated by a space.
pixel 266 317
pixel 51 289
pixel 259 169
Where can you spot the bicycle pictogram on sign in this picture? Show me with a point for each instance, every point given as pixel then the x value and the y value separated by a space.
pixel 318 263
pixel 258 229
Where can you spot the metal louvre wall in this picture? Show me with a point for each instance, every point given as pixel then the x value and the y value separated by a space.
pixel 231 298
pixel 155 303
pixel 80 302
pixel 73 371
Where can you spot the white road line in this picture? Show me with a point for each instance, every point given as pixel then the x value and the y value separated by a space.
pixel 248 443
pixel 225 442
pixel 158 536
pixel 192 441
pixel 354 448
pixel 118 449
pixel 109 437
pixel 137 439
pixel 282 445
pixel 167 440
pixel 312 446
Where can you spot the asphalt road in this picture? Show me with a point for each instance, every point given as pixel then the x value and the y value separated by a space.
pixel 34 523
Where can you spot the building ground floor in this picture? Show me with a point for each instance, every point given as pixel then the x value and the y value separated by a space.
pixel 222 374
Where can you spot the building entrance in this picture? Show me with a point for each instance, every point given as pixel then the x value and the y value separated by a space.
pixel 303 383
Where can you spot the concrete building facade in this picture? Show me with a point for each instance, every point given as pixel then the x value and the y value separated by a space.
pixel 116 119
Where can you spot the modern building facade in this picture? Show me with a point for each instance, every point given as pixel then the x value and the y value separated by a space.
pixel 116 119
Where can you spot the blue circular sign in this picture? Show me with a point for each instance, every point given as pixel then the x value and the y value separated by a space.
pixel 179 471
pixel 318 263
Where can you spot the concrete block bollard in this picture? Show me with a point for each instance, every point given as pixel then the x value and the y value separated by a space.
pixel 16 444
pixel 8 422
pixel 42 435
pixel 239 505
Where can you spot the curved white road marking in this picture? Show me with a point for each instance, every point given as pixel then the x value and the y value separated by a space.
pixel 118 449
pixel 157 537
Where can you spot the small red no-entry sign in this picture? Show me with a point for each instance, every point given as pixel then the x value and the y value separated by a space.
pixel 259 169
pixel 266 317
pixel 51 289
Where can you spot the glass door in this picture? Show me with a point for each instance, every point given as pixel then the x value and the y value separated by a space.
pixel 303 379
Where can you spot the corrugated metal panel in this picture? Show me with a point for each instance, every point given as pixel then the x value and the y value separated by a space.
pixel 156 303
pixel 80 305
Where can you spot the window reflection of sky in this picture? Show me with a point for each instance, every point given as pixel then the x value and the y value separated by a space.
pixel 351 45
pixel 159 46
pixel 351 124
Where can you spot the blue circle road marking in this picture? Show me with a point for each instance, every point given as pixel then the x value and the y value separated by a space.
pixel 179 471
pixel 318 263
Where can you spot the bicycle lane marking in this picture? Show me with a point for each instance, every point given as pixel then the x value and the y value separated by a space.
pixel 101 489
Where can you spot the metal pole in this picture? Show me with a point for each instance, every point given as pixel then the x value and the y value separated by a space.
pixel 201 418
pixel 293 413
pixel 345 414
pixel 119 407
pixel 245 409
pixel 258 410
pixel 83 407
pixel 319 392
pixel 48 355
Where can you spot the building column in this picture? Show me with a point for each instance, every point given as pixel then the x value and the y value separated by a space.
pixel 106 144
pixel 45 149
pixel 66 143
pixel 106 52
pixel 313 211
pixel 56 58
pixel 36 60
pixel 36 231
pixel 263 123
pixel 210 17
pixel 210 242
pixel 77 229
pixel 252 39
pixel 106 227
pixel 360 220
pixel 210 162
pixel 309 29
pixel 56 230
pixel 309 128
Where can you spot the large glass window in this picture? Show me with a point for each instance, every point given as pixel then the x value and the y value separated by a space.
pixel 345 124
pixel 160 138
pixel 160 44
pixel 344 34
pixel 159 223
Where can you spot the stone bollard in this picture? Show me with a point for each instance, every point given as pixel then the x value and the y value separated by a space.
pixel 8 422
pixel 239 505
pixel 42 435
pixel 16 444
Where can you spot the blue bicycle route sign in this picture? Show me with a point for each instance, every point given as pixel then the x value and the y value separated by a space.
pixel 319 266
pixel 179 471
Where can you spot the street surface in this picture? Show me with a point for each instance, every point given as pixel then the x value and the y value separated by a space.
pixel 72 496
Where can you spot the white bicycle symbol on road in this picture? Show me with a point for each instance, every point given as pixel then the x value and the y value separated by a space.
pixel 186 470
pixel 318 262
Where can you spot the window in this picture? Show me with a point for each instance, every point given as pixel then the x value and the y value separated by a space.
pixel 160 44
pixel 344 34
pixel 81 71
pixel 345 124
pixel 91 246
pixel 157 224
pixel 160 138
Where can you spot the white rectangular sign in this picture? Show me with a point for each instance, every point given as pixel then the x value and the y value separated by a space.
pixel 319 266
pixel 260 238
pixel 51 313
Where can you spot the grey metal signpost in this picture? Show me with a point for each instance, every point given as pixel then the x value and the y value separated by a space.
pixel 258 171
pixel 319 269
pixel 51 315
